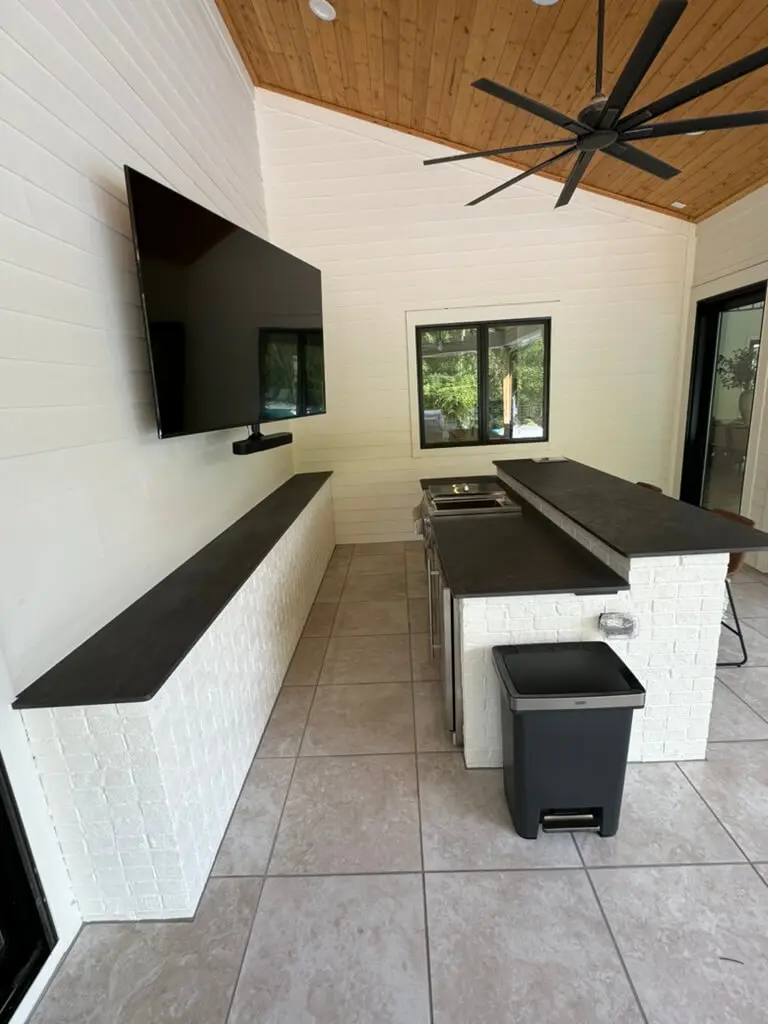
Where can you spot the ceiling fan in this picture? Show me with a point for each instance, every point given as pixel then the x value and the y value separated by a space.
pixel 602 126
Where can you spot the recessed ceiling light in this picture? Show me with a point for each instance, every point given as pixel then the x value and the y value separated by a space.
pixel 323 9
pixel 545 3
pixel 678 205
pixel 695 133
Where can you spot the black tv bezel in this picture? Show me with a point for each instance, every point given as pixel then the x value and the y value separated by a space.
pixel 165 435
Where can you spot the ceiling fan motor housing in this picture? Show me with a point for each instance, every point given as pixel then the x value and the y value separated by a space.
pixel 597 140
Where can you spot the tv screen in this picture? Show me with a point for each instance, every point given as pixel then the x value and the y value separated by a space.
pixel 233 323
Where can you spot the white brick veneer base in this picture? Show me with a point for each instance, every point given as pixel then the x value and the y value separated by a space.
pixel 140 794
pixel 678 602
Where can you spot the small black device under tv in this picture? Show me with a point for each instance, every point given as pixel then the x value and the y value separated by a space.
pixel 233 323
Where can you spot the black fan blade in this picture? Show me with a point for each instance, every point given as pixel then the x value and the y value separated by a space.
pixel 655 35
pixel 697 124
pixel 517 99
pixel 577 173
pixel 700 87
pixel 642 161
pixel 498 152
pixel 519 177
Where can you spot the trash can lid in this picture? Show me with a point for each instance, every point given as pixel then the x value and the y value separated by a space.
pixel 590 669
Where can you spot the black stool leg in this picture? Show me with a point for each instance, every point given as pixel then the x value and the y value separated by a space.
pixel 736 630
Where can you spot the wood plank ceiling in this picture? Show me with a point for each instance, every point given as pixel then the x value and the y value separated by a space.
pixel 409 64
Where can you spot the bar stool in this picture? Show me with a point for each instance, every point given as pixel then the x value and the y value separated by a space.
pixel 735 563
pixel 649 487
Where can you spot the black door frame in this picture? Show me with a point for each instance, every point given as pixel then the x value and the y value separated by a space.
pixel 702 380
pixel 29 933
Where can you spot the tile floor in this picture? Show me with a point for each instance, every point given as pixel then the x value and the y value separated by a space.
pixel 367 878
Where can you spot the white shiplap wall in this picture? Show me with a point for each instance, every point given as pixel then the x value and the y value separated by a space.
pixel 392 237
pixel 732 252
pixel 93 508
pixel 98 507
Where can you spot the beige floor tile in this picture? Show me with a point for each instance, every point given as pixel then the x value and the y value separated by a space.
pixel 344 950
pixel 751 684
pixel 734 782
pixel 694 939
pixel 248 840
pixel 431 732
pixel 663 821
pixel 423 666
pixel 466 825
pixel 414 561
pixel 282 736
pixel 373 719
pixel 307 661
pixel 371 618
pixel 732 719
pixel 158 972
pixel 347 815
pixel 523 947
pixel 382 548
pixel 374 565
pixel 757 645
pixel 751 600
pixel 379 587
pixel 367 659
pixel 417 584
pixel 320 620
pixel 330 588
pixel 418 615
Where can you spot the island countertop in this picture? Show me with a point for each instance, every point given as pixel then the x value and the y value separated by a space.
pixel 502 554
pixel 632 520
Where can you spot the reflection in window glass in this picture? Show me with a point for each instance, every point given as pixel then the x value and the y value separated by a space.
pixel 315 399
pixel 516 372
pixel 449 385
pixel 280 375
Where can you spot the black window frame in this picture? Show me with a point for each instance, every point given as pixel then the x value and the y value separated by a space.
pixel 482 329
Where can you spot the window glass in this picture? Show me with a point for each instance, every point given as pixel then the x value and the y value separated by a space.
pixel 516 372
pixel 449 379
pixel 483 383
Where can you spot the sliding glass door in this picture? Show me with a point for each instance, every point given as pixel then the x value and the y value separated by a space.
pixel 725 358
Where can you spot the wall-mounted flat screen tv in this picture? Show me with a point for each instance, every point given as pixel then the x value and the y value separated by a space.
pixel 234 324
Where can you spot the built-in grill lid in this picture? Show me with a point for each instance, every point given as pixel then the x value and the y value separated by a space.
pixel 465 488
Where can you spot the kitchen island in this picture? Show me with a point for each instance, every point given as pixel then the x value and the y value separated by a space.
pixel 585 543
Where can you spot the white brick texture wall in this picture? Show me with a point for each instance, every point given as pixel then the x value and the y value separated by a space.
pixel 678 604
pixel 140 794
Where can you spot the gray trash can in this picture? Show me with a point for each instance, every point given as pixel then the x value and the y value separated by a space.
pixel 566 714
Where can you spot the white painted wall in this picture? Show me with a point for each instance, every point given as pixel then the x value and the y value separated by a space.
pixel 731 253
pixel 393 237
pixel 94 508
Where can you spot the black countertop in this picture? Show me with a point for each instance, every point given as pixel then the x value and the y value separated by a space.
pixel 500 554
pixel 632 520
pixel 131 657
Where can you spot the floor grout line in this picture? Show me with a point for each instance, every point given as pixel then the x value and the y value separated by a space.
pixel 421 851
pixel 714 813
pixel 245 950
pixel 611 933
pixel 523 869
pixel 743 701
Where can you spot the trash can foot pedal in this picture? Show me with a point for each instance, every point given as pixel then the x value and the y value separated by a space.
pixel 573 821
